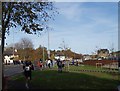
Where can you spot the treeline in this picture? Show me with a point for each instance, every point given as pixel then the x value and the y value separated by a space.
pixel 25 49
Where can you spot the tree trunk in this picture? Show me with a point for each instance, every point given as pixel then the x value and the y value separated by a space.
pixel 3 39
pixel 4 85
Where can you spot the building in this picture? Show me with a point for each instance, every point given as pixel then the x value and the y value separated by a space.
pixel 9 57
pixel 94 57
pixel 115 55
pixel 78 58
pixel 62 56
pixel 87 57
pixel 103 53
pixel 59 56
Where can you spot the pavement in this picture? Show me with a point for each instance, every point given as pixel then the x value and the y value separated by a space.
pixel 10 70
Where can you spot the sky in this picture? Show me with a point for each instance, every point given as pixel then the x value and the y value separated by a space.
pixel 83 26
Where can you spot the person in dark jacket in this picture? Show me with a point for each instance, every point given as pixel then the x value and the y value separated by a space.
pixel 28 67
pixel 118 65
pixel 59 64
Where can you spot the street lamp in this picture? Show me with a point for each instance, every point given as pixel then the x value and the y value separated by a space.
pixel 24 50
pixel 13 46
pixel 63 47
pixel 48 45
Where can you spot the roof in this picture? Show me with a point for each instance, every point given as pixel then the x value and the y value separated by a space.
pixel 59 55
pixel 103 50
pixel 10 53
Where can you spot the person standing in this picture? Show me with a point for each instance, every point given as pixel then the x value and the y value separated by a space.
pixel 118 66
pixel 27 67
pixel 76 63
pixel 49 63
pixel 59 64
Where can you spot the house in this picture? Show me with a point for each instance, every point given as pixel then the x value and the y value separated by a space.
pixel 59 56
pixel 115 55
pixel 87 57
pixel 94 56
pixel 9 57
pixel 78 58
pixel 103 53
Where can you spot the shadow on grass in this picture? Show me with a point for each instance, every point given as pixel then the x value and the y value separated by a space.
pixel 66 80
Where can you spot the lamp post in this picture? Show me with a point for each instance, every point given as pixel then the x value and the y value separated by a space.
pixel 24 50
pixel 63 47
pixel 48 45
pixel 13 45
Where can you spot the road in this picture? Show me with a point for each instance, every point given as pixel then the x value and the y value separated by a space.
pixel 10 70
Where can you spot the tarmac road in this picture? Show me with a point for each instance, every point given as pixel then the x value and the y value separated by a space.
pixel 10 70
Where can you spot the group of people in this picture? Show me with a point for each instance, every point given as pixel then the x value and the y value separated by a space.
pixel 28 67
pixel 47 64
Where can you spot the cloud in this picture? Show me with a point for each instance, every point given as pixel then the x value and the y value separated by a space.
pixel 81 28
pixel 70 11
pixel 84 37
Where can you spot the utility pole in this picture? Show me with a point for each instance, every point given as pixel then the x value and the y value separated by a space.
pixel 13 44
pixel 24 51
pixel 111 51
pixel 48 45
pixel 63 47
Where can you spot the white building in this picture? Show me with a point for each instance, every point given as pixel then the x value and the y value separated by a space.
pixel 61 57
pixel 87 57
pixel 9 57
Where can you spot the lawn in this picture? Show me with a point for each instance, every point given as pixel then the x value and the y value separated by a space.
pixel 51 79
pixel 88 68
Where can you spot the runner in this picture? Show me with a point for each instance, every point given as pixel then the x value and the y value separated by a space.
pixel 28 66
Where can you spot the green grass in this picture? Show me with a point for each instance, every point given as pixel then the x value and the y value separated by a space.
pixel 88 67
pixel 85 67
pixel 50 79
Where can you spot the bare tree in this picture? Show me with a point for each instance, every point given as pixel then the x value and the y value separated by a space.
pixel 26 42
pixel 24 47
pixel 18 46
pixel 112 51
pixel 112 48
